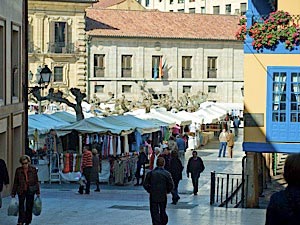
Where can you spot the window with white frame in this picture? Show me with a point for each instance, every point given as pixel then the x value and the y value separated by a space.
pixel 186 66
pixel 126 65
pixel 15 62
pixel 192 10
pixel 212 89
pixel 283 104
pixel 2 62
pixel 99 68
pixel 58 74
pixel 212 67
pixel 202 10
pixel 216 9
pixel 228 9
pixel 126 88
pixel 186 89
pixel 99 89
pixel 243 8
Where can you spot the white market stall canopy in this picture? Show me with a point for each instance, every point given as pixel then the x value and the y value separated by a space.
pixel 163 114
pixel 142 126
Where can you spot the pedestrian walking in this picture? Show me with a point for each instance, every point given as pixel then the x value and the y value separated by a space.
pixel 284 206
pixel 195 167
pixel 236 124
pixel 230 143
pixel 176 169
pixel 141 166
pixel 181 147
pixel 172 144
pixel 26 185
pixel 167 156
pixel 158 184
pixel 4 179
pixel 153 158
pixel 96 169
pixel 223 142
pixel 86 169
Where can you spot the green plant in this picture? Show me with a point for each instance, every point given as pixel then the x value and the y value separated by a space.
pixel 268 33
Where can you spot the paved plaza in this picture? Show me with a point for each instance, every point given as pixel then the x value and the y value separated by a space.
pixel 128 205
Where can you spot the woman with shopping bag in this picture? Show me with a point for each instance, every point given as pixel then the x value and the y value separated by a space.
pixel 26 185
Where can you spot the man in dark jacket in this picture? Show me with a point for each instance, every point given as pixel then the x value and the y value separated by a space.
pixel 176 169
pixel 284 206
pixel 195 166
pixel 4 180
pixel 158 184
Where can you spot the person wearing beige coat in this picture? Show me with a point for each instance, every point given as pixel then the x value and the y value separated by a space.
pixel 230 143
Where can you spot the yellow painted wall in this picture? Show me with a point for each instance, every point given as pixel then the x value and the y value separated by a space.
pixel 255 79
pixel 291 6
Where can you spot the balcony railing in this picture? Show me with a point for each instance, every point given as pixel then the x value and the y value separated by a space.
pixel 99 71
pixel 126 72
pixel 186 73
pixel 211 73
pixel 61 47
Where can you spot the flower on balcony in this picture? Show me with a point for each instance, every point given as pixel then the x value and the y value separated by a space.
pixel 241 33
pixel 268 33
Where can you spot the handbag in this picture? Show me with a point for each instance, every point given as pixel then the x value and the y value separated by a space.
pixel 37 206
pixel 13 207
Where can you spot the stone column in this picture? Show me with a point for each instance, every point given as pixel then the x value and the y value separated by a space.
pixel 38 32
pixel 251 177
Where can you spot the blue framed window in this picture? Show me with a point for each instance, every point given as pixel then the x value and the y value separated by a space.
pixel 283 104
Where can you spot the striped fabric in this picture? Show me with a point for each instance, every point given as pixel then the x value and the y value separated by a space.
pixel 87 159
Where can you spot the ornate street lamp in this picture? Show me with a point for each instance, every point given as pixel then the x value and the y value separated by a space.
pixel 43 78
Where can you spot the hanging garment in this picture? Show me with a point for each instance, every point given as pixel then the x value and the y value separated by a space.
pixel 66 163
pixel 119 145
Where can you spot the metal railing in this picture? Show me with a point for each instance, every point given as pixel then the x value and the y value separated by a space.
pixel 61 47
pixel 228 189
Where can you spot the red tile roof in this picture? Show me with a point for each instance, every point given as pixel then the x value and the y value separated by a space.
pixel 107 3
pixel 156 24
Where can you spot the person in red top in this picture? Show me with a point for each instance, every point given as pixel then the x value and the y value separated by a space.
pixel 26 185
pixel 86 169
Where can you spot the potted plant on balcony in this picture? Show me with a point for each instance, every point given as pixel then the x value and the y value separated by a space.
pixel 268 33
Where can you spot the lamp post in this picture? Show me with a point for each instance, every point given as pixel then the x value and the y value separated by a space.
pixel 43 77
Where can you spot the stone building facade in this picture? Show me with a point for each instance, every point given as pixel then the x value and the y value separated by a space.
pixel 12 67
pixel 57 38
pixel 128 57
pixel 230 7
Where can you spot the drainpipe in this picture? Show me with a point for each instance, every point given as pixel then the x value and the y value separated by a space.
pixel 88 43
pixel 25 71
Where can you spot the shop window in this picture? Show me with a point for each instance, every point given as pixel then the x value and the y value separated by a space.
pixel 283 99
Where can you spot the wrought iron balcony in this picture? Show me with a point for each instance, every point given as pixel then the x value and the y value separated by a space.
pixel 61 47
